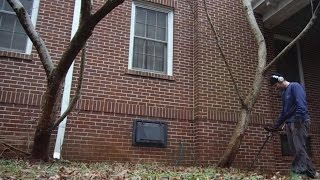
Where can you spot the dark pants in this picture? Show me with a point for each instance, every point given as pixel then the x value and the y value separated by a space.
pixel 297 134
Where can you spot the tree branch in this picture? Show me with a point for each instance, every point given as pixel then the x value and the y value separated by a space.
pixel 222 54
pixel 85 13
pixel 14 148
pixel 262 54
pixel 293 42
pixel 82 35
pixel 33 35
pixel 77 93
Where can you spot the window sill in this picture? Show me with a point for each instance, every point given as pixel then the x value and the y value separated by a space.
pixel 15 55
pixel 149 74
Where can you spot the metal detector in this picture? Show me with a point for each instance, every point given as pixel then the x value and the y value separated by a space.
pixel 269 135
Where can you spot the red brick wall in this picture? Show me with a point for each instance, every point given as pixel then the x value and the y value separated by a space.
pixel 198 102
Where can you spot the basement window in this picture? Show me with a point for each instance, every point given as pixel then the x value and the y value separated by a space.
pixel 149 133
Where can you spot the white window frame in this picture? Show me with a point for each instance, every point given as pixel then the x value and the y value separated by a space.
pixel 170 33
pixel 300 67
pixel 33 17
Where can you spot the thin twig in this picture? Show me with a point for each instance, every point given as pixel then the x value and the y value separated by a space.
pixel 14 148
pixel 3 151
pixel 216 36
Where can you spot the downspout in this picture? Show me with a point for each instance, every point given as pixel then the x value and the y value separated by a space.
pixel 67 87
pixel 301 75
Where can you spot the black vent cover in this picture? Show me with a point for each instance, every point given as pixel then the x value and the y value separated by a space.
pixel 149 133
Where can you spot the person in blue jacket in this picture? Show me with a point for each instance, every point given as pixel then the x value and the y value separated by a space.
pixel 296 117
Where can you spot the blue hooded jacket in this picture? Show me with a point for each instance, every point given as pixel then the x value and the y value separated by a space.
pixel 294 105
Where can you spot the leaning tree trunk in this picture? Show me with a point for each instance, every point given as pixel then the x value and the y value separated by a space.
pixel 42 135
pixel 238 134
pixel 234 143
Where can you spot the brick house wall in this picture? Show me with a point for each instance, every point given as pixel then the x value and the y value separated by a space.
pixel 198 102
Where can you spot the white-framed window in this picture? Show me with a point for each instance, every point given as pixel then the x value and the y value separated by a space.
pixel 12 35
pixel 151 38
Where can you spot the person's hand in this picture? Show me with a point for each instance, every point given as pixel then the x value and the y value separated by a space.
pixel 271 128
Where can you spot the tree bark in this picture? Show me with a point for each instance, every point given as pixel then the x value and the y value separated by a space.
pixel 235 141
pixel 40 149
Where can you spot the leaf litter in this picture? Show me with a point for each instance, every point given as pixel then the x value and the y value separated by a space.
pixel 61 170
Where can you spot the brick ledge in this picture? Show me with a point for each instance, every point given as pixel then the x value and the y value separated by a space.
pixel 15 55
pixel 149 74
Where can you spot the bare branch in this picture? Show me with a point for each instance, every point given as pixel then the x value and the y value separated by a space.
pixel 83 34
pixel 86 7
pixel 293 42
pixel 105 9
pixel 222 54
pixel 14 148
pixel 27 25
pixel 262 54
pixel 77 93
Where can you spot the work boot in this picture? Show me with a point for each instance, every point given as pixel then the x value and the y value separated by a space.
pixel 311 174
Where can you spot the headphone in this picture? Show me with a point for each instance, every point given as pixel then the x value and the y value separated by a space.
pixel 279 78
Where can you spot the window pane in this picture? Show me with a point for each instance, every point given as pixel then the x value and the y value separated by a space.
pixel 150 48
pixel 158 66
pixel 19 28
pixel 139 45
pixel 27 5
pixel 161 34
pixel 151 17
pixel 7 22
pixel 5 39
pixel 159 48
pixel 162 20
pixel 149 62
pixel 151 32
pixel 7 6
pixel 1 3
pixel 140 30
pixel 141 15
pixel 19 41
pixel 138 60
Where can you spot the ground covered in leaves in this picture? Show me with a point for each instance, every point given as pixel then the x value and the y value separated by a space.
pixel 18 169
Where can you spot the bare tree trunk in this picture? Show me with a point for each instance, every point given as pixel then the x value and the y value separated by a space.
pixel 40 149
pixel 246 109
pixel 235 141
